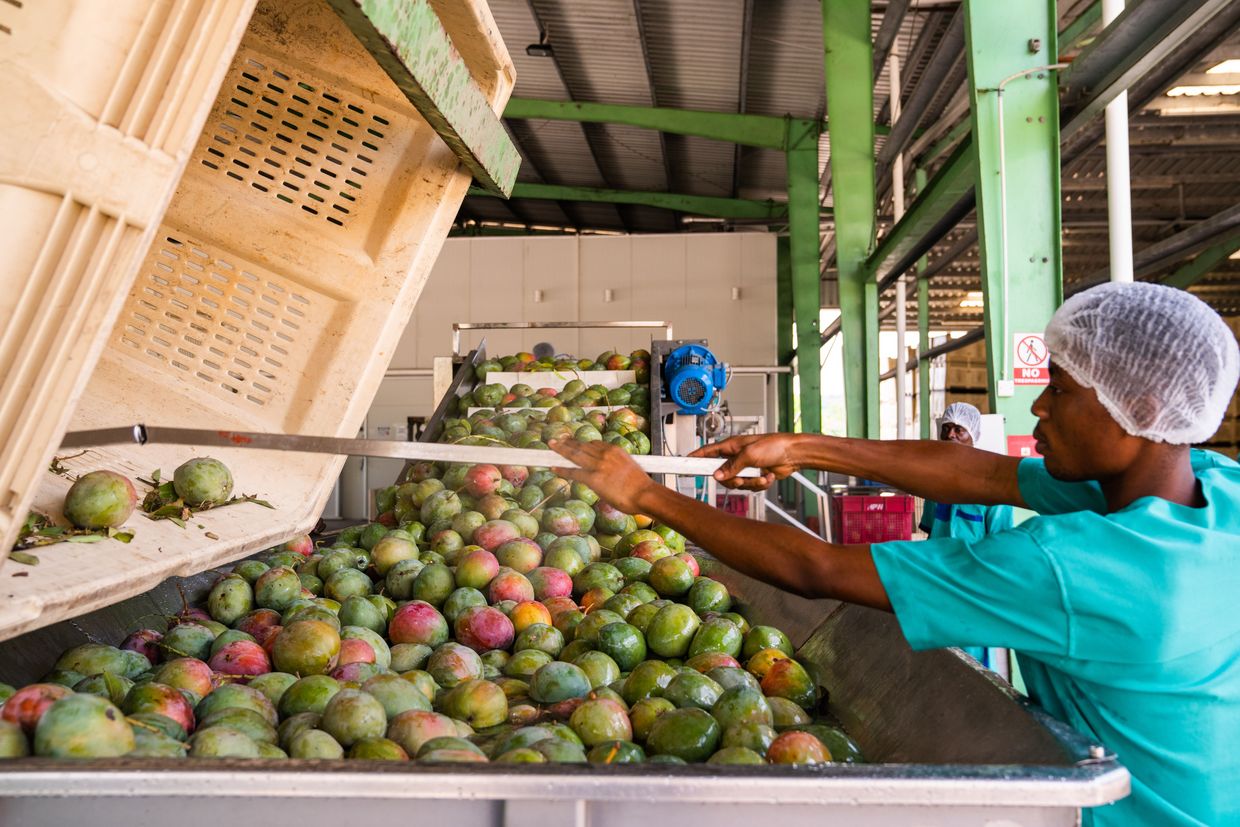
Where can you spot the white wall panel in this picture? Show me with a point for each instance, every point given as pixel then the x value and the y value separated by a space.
pixel 686 278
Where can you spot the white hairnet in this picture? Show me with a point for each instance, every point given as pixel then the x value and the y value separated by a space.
pixel 1162 362
pixel 966 416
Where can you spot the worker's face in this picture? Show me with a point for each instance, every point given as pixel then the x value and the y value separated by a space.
pixel 951 432
pixel 1076 435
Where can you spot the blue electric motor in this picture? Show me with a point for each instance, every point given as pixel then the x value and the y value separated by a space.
pixel 694 378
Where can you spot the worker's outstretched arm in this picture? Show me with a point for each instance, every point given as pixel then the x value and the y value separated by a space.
pixel 941 471
pixel 780 555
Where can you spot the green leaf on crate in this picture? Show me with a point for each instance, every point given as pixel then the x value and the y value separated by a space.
pixel 120 536
pixel 85 538
pixel 155 476
pixel 23 558
pixel 51 531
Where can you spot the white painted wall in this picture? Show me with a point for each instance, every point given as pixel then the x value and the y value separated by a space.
pixel 687 279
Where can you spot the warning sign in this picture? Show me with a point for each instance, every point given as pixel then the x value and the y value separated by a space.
pixel 1031 365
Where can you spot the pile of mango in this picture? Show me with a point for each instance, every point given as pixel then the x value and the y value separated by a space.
pixel 498 613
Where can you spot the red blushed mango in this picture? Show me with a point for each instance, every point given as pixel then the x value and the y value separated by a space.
pixel 186 673
pixel 482 479
pixel 761 663
pixel 521 555
pixel 28 704
pixel 494 533
pixel 707 661
pixel 483 628
pixel 527 613
pixel 476 569
pixel 651 551
pixel 691 562
pixel 788 679
pixel 353 650
pixel 418 622
pixel 559 605
pixel 241 659
pixel 550 583
pixel 797 748
pixel 160 699
pixel 510 585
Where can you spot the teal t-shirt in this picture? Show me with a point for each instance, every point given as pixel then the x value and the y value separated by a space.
pixel 964 522
pixel 1124 624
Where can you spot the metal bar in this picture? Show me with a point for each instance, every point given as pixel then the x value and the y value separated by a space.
pixel 792 521
pixel 947 198
pixel 785 318
pixel 407 373
pixel 410 44
pixel 885 38
pixel 1183 244
pixel 750 130
pixel 439 452
pixel 850 99
pixel 1139 39
pixel 741 370
pixel 742 88
pixel 1119 185
pixel 806 291
pixel 1080 27
pixel 975 335
pixel 1189 274
pixel 680 202
pixel 923 329
pixel 1015 106
pixel 927 88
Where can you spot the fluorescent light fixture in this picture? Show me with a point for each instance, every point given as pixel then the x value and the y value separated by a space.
pixel 1227 67
pixel 1209 91
pixel 973 299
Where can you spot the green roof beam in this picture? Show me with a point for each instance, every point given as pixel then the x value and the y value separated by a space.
pixel 714 206
pixel 767 131
pixel 1204 264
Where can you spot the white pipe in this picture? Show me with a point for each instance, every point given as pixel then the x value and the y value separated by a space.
pixel 897 202
pixel 1119 186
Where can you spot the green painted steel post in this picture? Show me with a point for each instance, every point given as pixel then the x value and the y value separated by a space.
pixel 923 330
pixel 1018 204
pixel 806 293
pixel 784 320
pixel 847 60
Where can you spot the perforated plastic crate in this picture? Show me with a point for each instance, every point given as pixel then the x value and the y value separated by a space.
pixel 266 293
pixel 867 518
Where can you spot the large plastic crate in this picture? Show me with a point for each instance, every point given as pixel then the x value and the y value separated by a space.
pixel 870 518
pixel 266 293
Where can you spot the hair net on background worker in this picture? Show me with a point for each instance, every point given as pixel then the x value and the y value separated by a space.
pixel 544 350
pixel 966 416
pixel 1161 361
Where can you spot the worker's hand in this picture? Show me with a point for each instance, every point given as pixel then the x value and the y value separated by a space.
pixel 770 453
pixel 607 469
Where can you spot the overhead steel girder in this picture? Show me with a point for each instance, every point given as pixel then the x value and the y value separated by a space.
pixel 785 318
pixel 1139 39
pixel 848 56
pixel 1078 28
pixel 410 44
pixel 947 198
pixel 717 207
pixel 1205 262
pixel 806 295
pixel 1015 116
pixel 748 130
pixel 1197 238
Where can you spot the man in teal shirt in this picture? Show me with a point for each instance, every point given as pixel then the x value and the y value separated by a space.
pixel 1118 598
pixel 962 423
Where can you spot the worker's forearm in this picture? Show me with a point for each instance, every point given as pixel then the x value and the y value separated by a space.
pixel 940 471
pixel 779 555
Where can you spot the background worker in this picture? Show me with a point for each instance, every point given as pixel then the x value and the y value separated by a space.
pixel 962 423
pixel 1118 598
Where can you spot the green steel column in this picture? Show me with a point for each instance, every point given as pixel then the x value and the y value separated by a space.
pixel 803 255
pixel 923 330
pixel 784 320
pixel 1018 194
pixel 850 100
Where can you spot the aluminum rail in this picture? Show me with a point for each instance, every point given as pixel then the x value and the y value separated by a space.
pixel 436 451
pixel 457 327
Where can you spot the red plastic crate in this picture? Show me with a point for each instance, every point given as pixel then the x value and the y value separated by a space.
pixel 868 518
